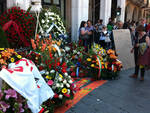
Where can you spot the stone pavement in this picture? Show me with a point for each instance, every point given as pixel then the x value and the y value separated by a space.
pixel 125 95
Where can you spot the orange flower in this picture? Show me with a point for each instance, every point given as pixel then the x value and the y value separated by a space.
pixel 112 56
pixel 33 44
pixel 10 50
pixel 6 54
pixel 43 47
pixel 2 61
pixel 110 51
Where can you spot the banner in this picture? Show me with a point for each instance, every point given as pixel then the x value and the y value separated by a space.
pixel 24 77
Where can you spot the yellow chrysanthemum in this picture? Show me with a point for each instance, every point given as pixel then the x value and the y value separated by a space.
pixel 49 77
pixel 89 59
pixel 61 75
pixel 64 90
pixel 12 60
pixel 19 56
pixel 92 65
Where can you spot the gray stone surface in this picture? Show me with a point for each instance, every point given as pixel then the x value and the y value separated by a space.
pixel 125 95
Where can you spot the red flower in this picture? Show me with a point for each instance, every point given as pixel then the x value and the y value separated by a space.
pixel 55 95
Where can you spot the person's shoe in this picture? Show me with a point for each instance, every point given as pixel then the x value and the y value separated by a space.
pixel 133 76
pixel 142 79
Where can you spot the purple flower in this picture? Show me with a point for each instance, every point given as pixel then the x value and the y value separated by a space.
pixel 21 110
pixel 4 106
pixel 1 94
pixel 10 93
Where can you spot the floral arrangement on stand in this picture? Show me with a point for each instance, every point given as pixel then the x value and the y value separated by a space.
pixel 48 20
pixel 50 60
pixel 19 26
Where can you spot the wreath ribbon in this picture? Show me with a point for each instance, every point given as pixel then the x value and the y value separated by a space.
pixel 7 25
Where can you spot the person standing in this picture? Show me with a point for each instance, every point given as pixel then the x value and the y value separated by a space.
pixel 83 35
pixel 141 52
pixel 90 29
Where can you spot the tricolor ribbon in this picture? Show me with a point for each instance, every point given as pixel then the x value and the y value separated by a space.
pixel 100 66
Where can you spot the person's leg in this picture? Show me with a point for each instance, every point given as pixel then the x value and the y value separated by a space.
pixel 142 73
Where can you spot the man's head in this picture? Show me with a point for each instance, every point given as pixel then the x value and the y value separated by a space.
pixel 89 23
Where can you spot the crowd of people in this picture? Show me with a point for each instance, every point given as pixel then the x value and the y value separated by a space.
pixel 103 35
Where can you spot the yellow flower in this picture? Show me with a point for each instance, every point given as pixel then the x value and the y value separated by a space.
pixel 92 65
pixel 61 75
pixel 12 60
pixel 64 90
pixel 0 56
pixel 19 56
pixel 106 65
pixel 88 59
pixel 1 49
pixel 96 46
pixel 49 77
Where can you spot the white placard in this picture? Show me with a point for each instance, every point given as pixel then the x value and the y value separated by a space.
pixel 123 45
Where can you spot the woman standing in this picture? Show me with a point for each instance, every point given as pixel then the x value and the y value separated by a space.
pixel 141 52
pixel 84 35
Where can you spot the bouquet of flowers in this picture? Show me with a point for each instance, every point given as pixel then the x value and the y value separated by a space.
pixel 52 64
pixel 12 102
pixel 8 56
pixel 19 26
pixel 51 23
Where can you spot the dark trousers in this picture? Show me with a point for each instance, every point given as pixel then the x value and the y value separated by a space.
pixel 137 67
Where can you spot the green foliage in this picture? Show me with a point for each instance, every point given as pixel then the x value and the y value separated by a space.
pixel 3 39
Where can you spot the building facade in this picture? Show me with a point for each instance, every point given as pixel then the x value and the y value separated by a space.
pixel 74 11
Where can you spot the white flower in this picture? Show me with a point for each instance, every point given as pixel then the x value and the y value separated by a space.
pixel 68 92
pixel 67 85
pixel 65 81
pixel 47 21
pixel 60 79
pixel 57 85
pixel 47 73
pixel 69 76
pixel 46 14
pixel 62 85
pixel 70 81
pixel 66 74
pixel 43 21
pixel 60 96
pixel 78 53
pixel 67 48
pixel 52 71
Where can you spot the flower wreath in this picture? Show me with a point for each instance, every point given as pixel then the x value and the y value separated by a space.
pixel 19 26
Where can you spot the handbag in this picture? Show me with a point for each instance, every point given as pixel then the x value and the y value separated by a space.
pixel 142 48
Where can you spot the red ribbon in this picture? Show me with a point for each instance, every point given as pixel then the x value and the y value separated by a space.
pixel 16 27
pixel 41 111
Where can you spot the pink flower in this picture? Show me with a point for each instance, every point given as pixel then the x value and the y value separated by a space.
pixel 50 82
pixel 10 93
pixel 4 106
pixel 67 95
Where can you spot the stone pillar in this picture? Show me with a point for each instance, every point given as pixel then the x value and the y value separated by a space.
pixel 122 4
pixel 105 10
pixel 79 13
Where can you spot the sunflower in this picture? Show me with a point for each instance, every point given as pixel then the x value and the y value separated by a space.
pixel 12 60
pixel 88 59
pixel 19 56
pixel 92 65
pixel 64 90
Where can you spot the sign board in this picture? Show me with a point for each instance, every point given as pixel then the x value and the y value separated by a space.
pixel 123 45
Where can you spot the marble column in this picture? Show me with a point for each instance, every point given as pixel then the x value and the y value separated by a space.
pixel 122 4
pixel 105 10
pixel 79 13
